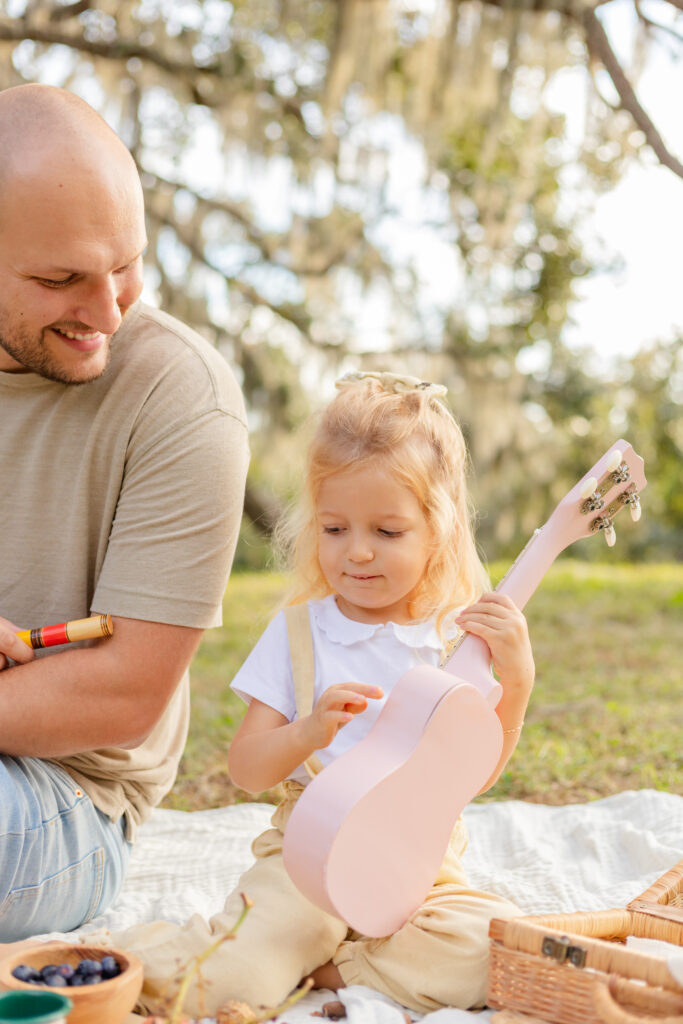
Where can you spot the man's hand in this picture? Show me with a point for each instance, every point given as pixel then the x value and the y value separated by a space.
pixel 11 647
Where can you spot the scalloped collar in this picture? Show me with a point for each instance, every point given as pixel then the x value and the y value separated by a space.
pixel 341 630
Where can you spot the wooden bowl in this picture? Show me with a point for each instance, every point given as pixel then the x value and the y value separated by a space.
pixel 108 1002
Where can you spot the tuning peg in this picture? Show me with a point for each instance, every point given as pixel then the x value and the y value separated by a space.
pixel 591 499
pixel 605 524
pixel 632 499
pixel 614 460
pixel 635 509
pixel 588 488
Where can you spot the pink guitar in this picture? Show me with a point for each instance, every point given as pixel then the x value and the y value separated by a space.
pixel 369 832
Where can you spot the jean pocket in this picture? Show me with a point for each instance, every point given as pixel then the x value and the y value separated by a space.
pixel 62 902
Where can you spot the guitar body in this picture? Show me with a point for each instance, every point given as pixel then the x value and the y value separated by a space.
pixel 374 868
pixel 368 834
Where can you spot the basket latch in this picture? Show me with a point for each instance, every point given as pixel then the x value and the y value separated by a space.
pixel 561 949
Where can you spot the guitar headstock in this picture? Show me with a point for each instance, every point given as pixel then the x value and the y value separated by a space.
pixel 613 483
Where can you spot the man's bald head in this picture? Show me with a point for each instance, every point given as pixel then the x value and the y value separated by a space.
pixel 72 230
pixel 44 129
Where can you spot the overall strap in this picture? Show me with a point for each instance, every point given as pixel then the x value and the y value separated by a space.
pixel 303 667
pixel 450 647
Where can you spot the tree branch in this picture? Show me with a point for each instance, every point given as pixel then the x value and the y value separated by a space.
pixel 66 11
pixel 231 210
pixel 655 26
pixel 15 31
pixel 257 238
pixel 262 509
pixel 295 315
pixel 599 47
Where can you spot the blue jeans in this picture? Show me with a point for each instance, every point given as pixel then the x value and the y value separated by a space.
pixel 61 860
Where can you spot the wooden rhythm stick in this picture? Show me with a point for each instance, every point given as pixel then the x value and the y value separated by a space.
pixel 68 632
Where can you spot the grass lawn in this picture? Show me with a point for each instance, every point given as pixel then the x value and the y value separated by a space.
pixel 606 713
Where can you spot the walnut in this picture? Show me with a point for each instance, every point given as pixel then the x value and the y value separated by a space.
pixel 235 1012
pixel 335 1010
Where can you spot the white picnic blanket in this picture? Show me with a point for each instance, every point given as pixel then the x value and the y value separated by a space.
pixel 590 856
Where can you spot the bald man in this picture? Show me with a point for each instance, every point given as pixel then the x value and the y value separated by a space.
pixel 123 455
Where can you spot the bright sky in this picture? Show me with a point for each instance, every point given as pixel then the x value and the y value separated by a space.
pixel 642 220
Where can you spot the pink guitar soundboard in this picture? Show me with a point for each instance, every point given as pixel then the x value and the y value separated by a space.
pixel 368 834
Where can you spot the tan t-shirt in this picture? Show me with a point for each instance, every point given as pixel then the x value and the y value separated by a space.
pixel 124 495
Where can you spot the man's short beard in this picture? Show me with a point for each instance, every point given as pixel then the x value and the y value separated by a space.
pixel 35 358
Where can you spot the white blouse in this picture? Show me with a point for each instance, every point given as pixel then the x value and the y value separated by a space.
pixel 345 651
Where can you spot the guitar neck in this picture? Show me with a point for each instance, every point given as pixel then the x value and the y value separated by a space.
pixel 594 496
pixel 531 565
pixel 471 658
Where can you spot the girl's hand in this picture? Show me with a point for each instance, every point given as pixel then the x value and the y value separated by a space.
pixel 267 747
pixel 500 624
pixel 336 708
pixel 497 620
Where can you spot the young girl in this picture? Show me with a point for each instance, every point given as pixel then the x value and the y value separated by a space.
pixel 386 564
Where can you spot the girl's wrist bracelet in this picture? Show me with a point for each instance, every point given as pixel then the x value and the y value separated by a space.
pixel 517 728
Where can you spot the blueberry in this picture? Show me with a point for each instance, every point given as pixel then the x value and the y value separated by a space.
pixel 87 967
pixel 92 979
pixel 48 971
pixel 56 980
pixel 66 971
pixel 22 972
pixel 110 968
pixel 77 980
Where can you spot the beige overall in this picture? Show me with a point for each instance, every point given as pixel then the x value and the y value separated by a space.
pixel 438 958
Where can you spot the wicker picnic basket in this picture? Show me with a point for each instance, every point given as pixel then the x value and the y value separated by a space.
pixel 576 968
pixel 664 899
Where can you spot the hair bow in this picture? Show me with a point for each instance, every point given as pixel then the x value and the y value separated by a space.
pixel 398 383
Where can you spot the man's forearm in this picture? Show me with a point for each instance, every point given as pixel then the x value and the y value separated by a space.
pixel 62 705
pixel 110 694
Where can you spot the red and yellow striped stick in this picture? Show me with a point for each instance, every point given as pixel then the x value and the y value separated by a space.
pixel 68 632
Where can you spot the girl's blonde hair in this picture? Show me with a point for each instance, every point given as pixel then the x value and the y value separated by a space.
pixel 417 440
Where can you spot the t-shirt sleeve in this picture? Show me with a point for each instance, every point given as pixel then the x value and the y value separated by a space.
pixel 179 509
pixel 267 672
